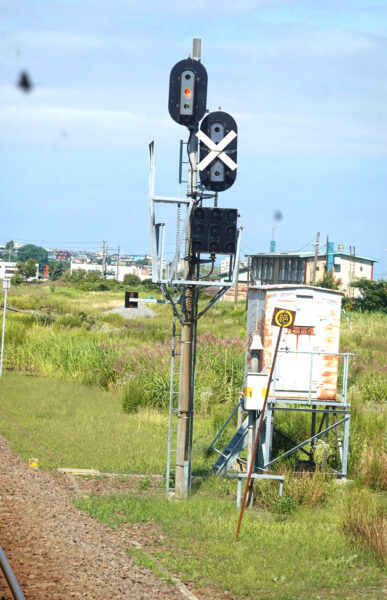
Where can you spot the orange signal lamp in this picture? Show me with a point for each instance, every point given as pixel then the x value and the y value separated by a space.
pixel 188 93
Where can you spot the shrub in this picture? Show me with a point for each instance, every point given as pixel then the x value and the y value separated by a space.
pixel 131 280
pixel 329 281
pixel 309 489
pixel 373 468
pixel 147 284
pixel 156 389
pixel 306 489
pixel 286 505
pixel 373 295
pixel 68 322
pixel 373 387
pixel 132 396
pixel 367 457
pixel 364 520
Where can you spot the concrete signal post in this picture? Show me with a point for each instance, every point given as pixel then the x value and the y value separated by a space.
pixel 207 231
pixel 6 286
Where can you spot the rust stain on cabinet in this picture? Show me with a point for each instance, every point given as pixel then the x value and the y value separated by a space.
pixel 316 329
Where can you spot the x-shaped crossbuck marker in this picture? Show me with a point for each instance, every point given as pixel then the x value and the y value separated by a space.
pixel 216 150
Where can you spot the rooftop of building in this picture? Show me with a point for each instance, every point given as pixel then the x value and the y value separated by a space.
pixel 321 254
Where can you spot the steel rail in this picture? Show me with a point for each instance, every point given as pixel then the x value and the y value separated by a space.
pixel 10 577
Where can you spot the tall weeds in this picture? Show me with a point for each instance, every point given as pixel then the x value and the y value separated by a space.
pixel 364 520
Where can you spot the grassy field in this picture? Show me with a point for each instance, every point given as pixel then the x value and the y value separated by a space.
pixel 302 556
pixel 67 424
pixel 70 368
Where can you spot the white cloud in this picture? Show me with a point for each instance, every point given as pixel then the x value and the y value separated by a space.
pixel 273 133
pixel 262 133
pixel 87 127
pixel 305 44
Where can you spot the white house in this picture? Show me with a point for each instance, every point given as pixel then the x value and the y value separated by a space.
pixel 7 270
pixel 141 271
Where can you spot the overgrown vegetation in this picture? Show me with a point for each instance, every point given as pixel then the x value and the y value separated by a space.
pixel 64 338
pixel 73 425
pixel 364 519
pixel 373 295
pixel 282 555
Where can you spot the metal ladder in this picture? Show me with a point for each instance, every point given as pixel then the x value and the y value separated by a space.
pixel 173 407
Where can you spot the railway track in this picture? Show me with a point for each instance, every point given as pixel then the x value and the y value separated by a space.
pixel 9 587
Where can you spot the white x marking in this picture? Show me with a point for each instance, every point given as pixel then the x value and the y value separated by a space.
pixel 216 150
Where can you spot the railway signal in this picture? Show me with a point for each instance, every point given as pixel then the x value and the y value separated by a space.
pixel 208 230
pixel 188 92
pixel 214 230
pixel 130 299
pixel 218 151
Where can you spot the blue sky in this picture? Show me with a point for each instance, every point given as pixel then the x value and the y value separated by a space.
pixel 305 80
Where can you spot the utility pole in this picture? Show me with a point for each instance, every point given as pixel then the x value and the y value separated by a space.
pixel 316 250
pixel 185 410
pixel 6 286
pixel 118 261
pixel 104 250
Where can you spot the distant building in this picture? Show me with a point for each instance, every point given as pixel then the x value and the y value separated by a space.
pixel 298 267
pixel 143 272
pixel 243 280
pixel 7 270
pixel 225 265
pixel 272 268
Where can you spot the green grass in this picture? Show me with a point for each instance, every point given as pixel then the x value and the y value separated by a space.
pixel 144 559
pixel 69 336
pixel 73 425
pixel 316 543
pixel 303 556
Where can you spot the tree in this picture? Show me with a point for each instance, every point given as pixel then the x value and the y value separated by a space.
pixel 130 279
pixel 148 284
pixel 10 246
pixel 373 294
pixel 329 281
pixel 26 269
pixel 56 270
pixel 38 253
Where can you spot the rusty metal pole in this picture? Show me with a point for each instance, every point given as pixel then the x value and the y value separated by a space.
pixel 252 462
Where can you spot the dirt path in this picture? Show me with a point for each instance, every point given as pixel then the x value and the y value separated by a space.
pixel 59 553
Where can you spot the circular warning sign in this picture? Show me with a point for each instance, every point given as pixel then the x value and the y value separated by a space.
pixel 283 317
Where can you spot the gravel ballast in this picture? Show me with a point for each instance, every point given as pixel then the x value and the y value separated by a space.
pixel 58 552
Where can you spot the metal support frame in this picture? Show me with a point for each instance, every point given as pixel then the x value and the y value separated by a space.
pixel 241 476
pixel 316 436
pixel 339 409
pixel 184 308
pixel 211 446
pixel 157 250
pixel 313 406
